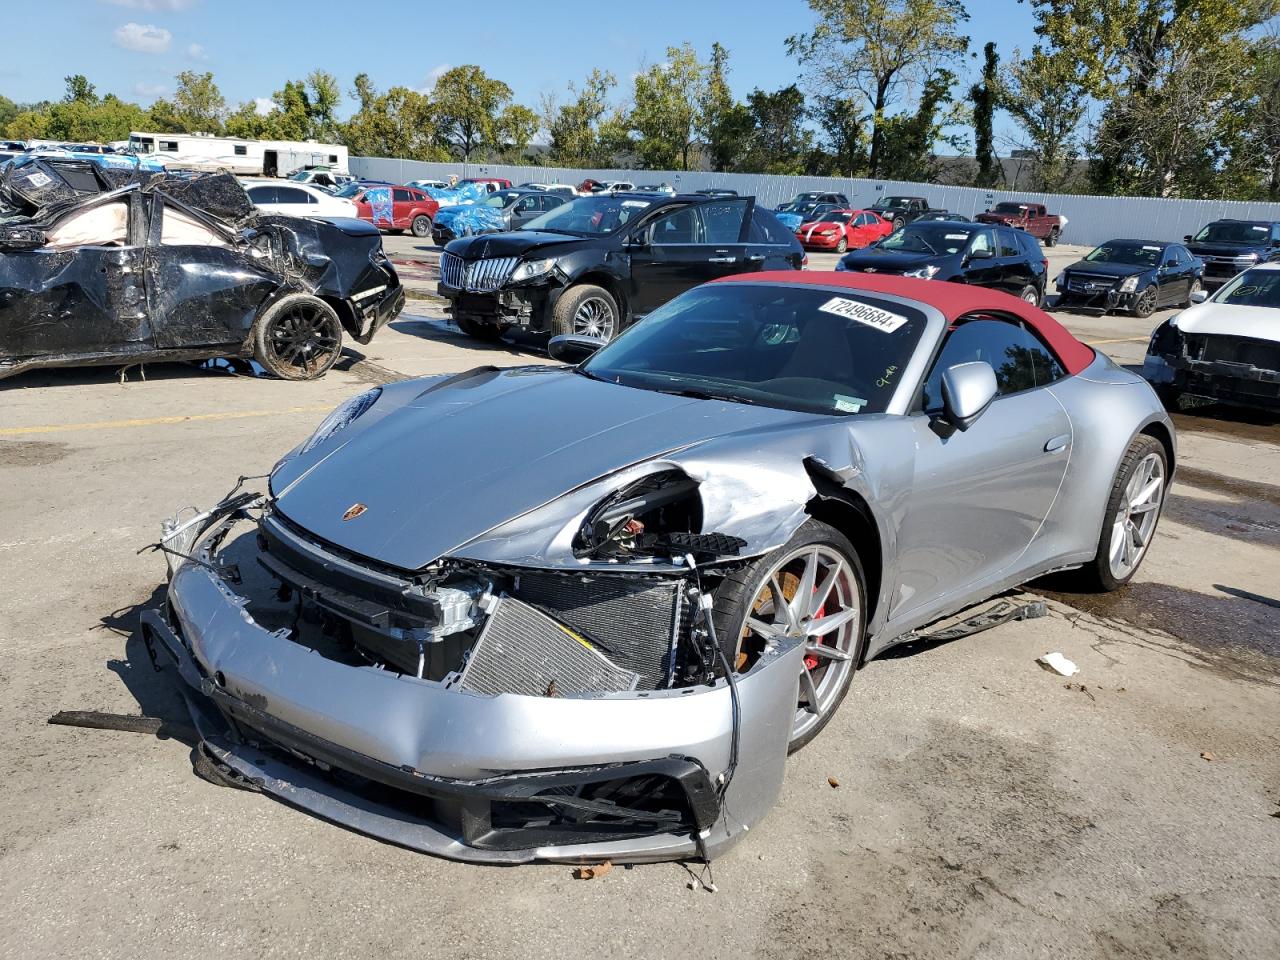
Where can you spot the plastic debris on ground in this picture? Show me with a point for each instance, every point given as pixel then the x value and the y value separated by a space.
pixel 1058 664
pixel 593 872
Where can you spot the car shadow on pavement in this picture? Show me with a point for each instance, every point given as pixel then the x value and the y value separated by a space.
pixel 130 375
pixel 513 343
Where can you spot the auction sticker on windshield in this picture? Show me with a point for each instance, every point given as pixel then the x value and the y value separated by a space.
pixel 882 320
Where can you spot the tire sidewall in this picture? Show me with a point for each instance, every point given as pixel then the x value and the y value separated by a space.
pixel 1145 304
pixel 261 352
pixel 565 308
pixel 1138 449
pixel 731 611
pixel 420 219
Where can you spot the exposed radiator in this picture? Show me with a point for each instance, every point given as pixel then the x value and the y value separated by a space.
pixel 636 623
pixel 522 650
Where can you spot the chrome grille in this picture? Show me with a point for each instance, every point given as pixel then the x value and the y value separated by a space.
pixel 481 276
pixel 1089 283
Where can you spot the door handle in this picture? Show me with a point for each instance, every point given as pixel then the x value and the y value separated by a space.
pixel 722 260
pixel 756 258
pixel 1054 444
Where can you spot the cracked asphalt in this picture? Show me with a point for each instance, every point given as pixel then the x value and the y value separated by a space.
pixel 985 808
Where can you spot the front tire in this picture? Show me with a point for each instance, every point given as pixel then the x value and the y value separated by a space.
pixel 421 226
pixel 1145 305
pixel 587 311
pixel 819 563
pixel 842 246
pixel 1132 514
pixel 1196 287
pixel 1052 239
pixel 299 337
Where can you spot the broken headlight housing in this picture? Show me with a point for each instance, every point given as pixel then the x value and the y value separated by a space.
pixel 347 413
pixel 640 518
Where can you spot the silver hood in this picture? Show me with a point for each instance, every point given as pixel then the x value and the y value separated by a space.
pixel 462 456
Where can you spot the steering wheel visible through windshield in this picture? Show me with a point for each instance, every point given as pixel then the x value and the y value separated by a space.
pixel 810 350
pixel 591 216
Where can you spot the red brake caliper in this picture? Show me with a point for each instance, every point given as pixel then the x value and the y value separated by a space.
pixel 811 661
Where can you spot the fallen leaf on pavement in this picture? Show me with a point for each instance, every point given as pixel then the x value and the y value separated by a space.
pixel 593 872
pixel 1206 755
pixel 833 781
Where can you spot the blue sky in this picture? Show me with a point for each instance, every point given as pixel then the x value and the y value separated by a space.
pixel 135 47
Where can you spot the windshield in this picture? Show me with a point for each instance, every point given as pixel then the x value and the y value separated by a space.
pixel 814 351
pixel 835 216
pixel 934 238
pixel 892 203
pixel 350 190
pixel 1253 288
pixel 1118 251
pixel 501 198
pixel 1008 208
pixel 1231 231
pixel 589 216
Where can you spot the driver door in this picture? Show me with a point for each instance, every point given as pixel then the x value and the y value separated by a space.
pixel 980 496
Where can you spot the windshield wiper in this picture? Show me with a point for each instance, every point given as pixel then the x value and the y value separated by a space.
pixel 693 393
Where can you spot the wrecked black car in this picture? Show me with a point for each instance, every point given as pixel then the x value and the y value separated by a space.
pixel 102 265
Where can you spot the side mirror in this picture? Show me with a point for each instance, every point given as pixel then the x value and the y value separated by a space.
pixel 982 253
pixel 1199 296
pixel 573 348
pixel 967 391
pixel 1186 237
pixel 637 241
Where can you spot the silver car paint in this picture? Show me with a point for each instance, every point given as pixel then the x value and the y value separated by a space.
pixel 959 518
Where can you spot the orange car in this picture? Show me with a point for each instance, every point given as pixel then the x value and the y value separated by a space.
pixel 842 230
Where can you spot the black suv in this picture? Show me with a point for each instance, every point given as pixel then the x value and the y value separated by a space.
pixel 597 263
pixel 815 196
pixel 1228 247
pixel 985 256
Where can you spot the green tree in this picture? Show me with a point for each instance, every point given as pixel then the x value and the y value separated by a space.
pixel 198 103
pixel 875 51
pixel 909 138
pixel 1046 95
pixel 574 127
pixel 723 124
pixel 844 151
pixel 985 97
pixel 514 128
pixel 1253 169
pixel 79 90
pixel 398 123
pixel 324 97
pixel 466 102
pixel 668 109
pixel 8 111
pixel 28 125
pixel 779 141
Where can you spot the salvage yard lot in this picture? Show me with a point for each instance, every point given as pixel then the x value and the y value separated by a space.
pixel 981 806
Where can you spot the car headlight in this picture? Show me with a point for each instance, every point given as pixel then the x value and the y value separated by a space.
pixel 532 268
pixel 923 273
pixel 1129 285
pixel 1060 280
pixel 1247 258
pixel 346 414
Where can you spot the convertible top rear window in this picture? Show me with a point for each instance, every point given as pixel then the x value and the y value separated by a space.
pixel 814 350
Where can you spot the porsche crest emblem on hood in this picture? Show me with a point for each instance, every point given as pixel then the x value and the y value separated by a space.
pixel 354 511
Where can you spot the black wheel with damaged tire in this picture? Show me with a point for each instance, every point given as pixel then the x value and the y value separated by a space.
pixel 421 225
pixel 1131 517
pixel 479 330
pixel 811 589
pixel 587 311
pixel 299 337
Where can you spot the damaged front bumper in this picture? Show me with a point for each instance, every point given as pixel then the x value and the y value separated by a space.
pixel 527 306
pixel 630 776
pixel 1241 383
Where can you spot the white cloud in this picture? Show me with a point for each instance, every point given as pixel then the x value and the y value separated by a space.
pixel 152 90
pixel 173 5
pixel 436 73
pixel 143 37
pixel 263 105
pixel 197 52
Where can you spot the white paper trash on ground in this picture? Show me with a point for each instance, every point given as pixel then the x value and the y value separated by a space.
pixel 1058 664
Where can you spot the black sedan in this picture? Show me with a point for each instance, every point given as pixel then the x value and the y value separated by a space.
pixel 977 254
pixel 1138 276
pixel 593 265
pixel 109 266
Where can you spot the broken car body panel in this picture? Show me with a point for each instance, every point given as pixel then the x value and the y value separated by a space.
pixel 489 490
pixel 118 267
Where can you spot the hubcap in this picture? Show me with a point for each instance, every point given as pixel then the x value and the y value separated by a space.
pixel 1135 521
pixel 811 595
pixel 594 318
pixel 304 337
pixel 1030 296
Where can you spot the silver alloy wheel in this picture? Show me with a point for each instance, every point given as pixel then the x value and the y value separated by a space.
pixel 594 318
pixel 1030 296
pixel 1135 521
pixel 821 604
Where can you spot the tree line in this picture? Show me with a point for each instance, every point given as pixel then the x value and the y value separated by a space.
pixel 1144 97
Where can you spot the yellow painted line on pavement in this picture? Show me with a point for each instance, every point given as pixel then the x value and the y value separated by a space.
pixel 157 421
pixel 1098 343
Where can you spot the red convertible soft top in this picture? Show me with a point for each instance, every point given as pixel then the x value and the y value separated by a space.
pixel 952 300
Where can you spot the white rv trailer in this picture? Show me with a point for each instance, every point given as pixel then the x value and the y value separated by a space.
pixel 258 158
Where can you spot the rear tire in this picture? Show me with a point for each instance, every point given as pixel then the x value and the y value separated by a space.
pixel 1143 463
pixel 299 337
pixel 747 595
pixel 421 226
pixel 478 330
pixel 586 310
pixel 1052 239
pixel 1031 294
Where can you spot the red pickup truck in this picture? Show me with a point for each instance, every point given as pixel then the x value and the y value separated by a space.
pixel 1031 217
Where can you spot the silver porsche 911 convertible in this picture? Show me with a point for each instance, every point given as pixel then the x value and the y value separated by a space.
pixel 583 612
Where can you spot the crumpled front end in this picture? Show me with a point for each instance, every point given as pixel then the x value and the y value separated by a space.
pixel 1232 369
pixel 473 710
